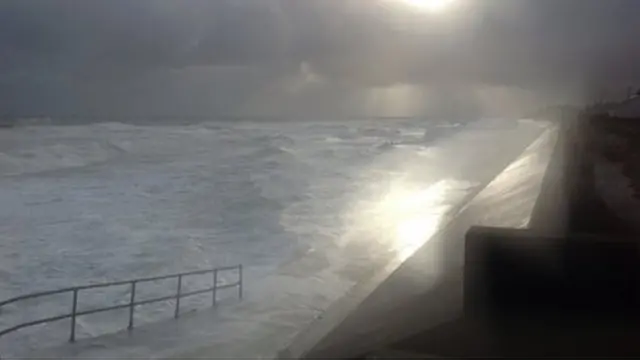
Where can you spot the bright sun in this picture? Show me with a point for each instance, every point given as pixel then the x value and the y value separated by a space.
pixel 430 5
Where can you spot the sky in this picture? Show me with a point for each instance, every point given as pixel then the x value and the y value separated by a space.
pixel 312 57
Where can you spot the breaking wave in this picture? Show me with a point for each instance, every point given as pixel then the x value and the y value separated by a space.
pixel 181 196
pixel 56 157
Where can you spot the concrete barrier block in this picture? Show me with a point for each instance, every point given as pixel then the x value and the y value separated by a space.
pixel 516 273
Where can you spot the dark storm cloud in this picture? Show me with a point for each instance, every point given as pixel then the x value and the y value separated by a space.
pixel 90 46
pixel 141 33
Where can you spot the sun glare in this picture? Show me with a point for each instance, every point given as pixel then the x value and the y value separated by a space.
pixel 413 214
pixel 433 6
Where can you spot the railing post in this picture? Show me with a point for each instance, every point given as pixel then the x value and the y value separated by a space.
pixel 74 308
pixel 132 302
pixel 215 287
pixel 240 281
pixel 177 313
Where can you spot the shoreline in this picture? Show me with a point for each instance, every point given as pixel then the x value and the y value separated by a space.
pixel 566 203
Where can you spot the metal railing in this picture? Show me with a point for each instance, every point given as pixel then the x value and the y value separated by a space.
pixel 74 291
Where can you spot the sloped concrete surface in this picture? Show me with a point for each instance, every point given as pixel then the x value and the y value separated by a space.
pixel 426 290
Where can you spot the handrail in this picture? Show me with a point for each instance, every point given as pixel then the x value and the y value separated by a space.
pixel 132 301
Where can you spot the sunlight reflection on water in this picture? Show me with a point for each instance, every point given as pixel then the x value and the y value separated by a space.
pixel 411 213
pixel 401 215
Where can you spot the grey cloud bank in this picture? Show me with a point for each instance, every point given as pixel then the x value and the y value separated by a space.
pixel 309 56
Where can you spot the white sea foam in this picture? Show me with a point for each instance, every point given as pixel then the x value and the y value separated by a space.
pixel 82 204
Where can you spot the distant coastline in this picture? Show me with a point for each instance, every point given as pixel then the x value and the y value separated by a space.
pixel 190 119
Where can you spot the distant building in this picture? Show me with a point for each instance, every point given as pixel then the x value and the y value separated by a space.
pixel 628 109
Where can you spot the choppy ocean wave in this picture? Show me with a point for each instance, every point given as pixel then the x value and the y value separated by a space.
pixel 163 199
